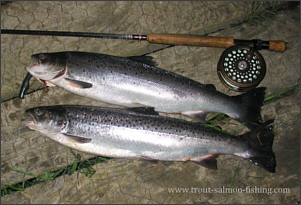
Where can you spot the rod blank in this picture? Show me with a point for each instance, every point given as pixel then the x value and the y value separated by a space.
pixel 171 39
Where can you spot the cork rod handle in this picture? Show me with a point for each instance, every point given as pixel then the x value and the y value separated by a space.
pixel 277 46
pixel 191 40
pixel 205 41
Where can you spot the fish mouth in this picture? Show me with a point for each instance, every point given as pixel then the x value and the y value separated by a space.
pixel 32 120
pixel 35 62
pixel 37 70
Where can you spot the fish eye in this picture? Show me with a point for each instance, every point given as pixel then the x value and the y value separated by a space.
pixel 42 56
pixel 38 112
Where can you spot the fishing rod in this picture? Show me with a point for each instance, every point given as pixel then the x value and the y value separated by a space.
pixel 240 68
pixel 171 39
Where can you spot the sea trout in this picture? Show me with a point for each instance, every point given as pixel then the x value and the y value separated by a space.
pixel 129 83
pixel 133 134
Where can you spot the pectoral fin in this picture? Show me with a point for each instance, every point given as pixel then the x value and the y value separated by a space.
pixel 46 83
pixel 76 139
pixel 78 83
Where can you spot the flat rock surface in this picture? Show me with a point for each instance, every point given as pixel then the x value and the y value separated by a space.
pixel 129 181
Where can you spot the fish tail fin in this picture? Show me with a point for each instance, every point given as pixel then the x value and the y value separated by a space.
pixel 250 104
pixel 261 140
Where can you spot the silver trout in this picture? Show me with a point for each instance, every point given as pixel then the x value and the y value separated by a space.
pixel 141 133
pixel 129 83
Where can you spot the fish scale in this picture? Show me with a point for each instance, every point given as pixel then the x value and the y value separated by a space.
pixel 134 120
pixel 131 133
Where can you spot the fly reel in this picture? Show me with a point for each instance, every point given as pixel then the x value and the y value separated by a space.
pixel 241 68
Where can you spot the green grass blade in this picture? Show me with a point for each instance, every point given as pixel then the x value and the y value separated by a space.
pixel 74 166
pixel 281 93
pixel 23 172
pixel 232 184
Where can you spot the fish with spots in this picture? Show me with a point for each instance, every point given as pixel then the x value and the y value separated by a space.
pixel 141 133
pixel 130 82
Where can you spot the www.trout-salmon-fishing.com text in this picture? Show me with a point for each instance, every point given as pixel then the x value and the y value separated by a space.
pixel 226 190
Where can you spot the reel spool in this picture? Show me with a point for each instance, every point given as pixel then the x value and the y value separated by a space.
pixel 241 68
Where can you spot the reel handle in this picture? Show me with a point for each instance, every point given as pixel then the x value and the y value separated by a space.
pixel 212 41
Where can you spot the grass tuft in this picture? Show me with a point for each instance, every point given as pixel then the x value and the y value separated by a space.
pixel 259 12
pixel 81 167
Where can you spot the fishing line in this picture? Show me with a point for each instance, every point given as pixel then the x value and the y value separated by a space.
pixel 45 91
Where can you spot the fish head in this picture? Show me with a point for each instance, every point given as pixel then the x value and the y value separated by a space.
pixel 46 120
pixel 47 66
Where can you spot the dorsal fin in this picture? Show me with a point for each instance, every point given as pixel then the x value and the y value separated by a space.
pixel 144 110
pixel 210 87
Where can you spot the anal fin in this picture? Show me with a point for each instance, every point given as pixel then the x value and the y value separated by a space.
pixel 208 162
pixel 148 159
